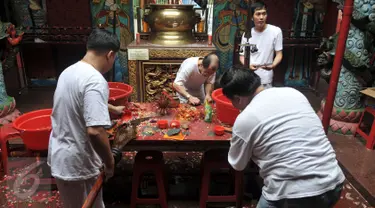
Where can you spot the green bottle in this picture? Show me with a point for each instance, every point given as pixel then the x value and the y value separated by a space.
pixel 207 112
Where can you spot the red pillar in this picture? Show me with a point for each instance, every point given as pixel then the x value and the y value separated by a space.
pixel 340 50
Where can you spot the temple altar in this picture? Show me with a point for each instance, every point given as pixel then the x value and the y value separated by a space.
pixel 150 77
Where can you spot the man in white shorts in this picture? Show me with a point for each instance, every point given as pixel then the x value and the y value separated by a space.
pixel 195 79
pixel 268 40
pixel 280 132
pixel 79 144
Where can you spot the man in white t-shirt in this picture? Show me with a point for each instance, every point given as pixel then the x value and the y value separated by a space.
pixel 79 144
pixel 195 79
pixel 268 40
pixel 280 132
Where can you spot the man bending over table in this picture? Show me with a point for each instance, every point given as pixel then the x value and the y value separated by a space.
pixel 195 79
pixel 79 144
pixel 280 131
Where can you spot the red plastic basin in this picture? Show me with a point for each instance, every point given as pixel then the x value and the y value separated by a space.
pixel 225 111
pixel 35 128
pixel 119 93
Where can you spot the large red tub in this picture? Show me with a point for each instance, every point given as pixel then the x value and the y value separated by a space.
pixel 119 93
pixel 225 111
pixel 35 128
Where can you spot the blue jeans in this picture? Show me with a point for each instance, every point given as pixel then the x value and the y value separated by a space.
pixel 326 200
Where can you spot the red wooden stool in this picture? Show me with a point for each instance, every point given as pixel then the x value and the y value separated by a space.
pixel 7 133
pixel 370 138
pixel 146 161
pixel 218 159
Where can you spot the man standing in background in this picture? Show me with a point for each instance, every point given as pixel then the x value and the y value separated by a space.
pixel 268 40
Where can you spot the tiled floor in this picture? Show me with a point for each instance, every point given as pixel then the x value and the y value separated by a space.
pixel 358 162
pixel 117 190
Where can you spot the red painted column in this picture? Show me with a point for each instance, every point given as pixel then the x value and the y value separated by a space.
pixel 340 50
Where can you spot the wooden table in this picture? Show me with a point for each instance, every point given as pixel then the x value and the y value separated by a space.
pixel 201 136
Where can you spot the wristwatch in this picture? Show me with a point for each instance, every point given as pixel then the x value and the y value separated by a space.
pixel 188 97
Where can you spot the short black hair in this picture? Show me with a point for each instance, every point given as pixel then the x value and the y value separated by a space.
pixel 239 80
pixel 257 6
pixel 102 41
pixel 207 60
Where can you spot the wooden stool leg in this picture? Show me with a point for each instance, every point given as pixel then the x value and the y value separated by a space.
pixel 239 188
pixel 135 185
pixel 205 187
pixel 371 138
pixel 360 122
pixel 4 157
pixel 161 189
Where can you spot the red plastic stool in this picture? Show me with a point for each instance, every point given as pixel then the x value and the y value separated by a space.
pixel 218 159
pixel 7 133
pixel 146 161
pixel 370 138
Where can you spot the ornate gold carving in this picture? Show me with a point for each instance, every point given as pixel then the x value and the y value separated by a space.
pixel 177 53
pixel 132 65
pixel 157 78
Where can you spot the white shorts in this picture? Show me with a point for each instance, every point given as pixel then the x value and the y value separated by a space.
pixel 74 193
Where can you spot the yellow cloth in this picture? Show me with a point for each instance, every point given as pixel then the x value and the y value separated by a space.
pixel 179 136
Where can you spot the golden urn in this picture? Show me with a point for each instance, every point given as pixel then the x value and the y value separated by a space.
pixel 172 24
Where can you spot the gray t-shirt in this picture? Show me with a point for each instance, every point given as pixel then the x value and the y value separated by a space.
pixel 282 134
pixel 80 101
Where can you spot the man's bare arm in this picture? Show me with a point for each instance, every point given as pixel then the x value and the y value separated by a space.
pixel 209 88
pixel 111 108
pixel 278 58
pixel 100 142
pixel 181 89
pixel 276 61
pixel 242 59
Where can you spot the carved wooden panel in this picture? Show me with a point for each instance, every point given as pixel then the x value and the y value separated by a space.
pixel 157 77
pixel 133 79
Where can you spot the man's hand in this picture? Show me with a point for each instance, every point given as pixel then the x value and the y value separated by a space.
pixel 194 101
pixel 99 140
pixel 208 98
pixel 109 171
pixel 269 67
pixel 253 67
pixel 118 110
